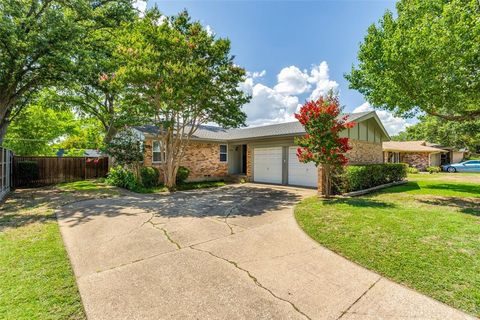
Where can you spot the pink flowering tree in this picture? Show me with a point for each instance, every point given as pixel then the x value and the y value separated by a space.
pixel 322 143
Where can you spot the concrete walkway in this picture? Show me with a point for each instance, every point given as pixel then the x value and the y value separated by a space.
pixel 231 253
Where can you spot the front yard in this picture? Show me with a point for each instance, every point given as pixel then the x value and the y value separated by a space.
pixel 36 280
pixel 425 234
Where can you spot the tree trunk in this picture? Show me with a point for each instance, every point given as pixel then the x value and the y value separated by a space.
pixel 327 171
pixel 3 129
pixel 110 134
pixel 5 110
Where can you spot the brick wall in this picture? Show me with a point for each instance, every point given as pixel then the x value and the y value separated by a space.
pixel 418 160
pixel 364 152
pixel 203 160
pixel 249 163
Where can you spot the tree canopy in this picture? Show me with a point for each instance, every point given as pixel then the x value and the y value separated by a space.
pixel 40 130
pixel 426 58
pixel 447 133
pixel 179 76
pixel 40 42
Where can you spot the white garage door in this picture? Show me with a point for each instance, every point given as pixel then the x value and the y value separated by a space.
pixel 267 165
pixel 301 174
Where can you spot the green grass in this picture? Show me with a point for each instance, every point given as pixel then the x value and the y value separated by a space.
pixel 183 187
pixel 425 234
pixel 36 279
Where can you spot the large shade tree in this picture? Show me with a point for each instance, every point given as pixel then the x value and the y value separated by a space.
pixel 95 89
pixel 39 44
pixel 425 58
pixel 179 77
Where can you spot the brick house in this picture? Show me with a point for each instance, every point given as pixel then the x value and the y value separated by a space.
pixel 265 154
pixel 418 154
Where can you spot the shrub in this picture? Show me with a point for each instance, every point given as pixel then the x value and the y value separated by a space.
pixel 182 175
pixel 27 172
pixel 372 175
pixel 433 169
pixel 121 177
pixel 412 170
pixel 149 176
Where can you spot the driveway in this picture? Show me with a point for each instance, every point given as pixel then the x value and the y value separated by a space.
pixel 229 253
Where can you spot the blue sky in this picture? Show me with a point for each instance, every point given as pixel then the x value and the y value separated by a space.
pixel 293 50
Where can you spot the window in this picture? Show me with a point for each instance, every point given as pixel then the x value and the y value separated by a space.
pixel 223 153
pixel 156 152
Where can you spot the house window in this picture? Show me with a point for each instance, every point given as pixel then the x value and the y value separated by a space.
pixel 223 153
pixel 157 153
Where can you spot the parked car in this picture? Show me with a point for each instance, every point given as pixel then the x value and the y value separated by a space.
pixel 466 166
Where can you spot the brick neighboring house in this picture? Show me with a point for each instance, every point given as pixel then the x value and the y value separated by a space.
pixel 265 154
pixel 418 154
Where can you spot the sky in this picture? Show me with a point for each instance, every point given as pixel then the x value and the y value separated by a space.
pixel 292 50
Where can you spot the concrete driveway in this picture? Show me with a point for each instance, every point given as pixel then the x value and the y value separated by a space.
pixel 230 253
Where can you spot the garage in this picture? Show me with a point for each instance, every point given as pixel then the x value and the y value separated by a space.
pixel 267 165
pixel 301 174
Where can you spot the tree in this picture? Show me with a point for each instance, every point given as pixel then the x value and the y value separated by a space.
pixel 322 143
pixel 39 43
pixel 447 133
pixel 425 59
pixel 127 150
pixel 36 128
pixel 95 89
pixel 179 77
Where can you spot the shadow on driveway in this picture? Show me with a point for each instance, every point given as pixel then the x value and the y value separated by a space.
pixel 226 201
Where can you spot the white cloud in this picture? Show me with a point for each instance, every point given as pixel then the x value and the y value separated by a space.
pixel 209 30
pixel 267 105
pixel 391 123
pixel 141 6
pixel 319 75
pixel 292 81
pixel 279 103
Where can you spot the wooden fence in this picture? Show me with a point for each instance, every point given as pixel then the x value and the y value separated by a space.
pixel 6 157
pixel 52 170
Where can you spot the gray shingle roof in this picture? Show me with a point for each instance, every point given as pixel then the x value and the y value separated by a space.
pixel 273 130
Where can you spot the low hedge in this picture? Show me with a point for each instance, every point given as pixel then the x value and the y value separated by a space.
pixel 368 176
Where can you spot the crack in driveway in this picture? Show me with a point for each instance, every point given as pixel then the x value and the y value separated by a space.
pixel 358 299
pixel 254 279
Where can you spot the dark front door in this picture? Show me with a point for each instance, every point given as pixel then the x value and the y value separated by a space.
pixel 244 158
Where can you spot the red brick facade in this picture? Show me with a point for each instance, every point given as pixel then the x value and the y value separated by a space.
pixel 203 160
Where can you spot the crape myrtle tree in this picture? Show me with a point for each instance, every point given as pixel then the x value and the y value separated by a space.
pixel 39 44
pixel 322 143
pixel 426 59
pixel 180 76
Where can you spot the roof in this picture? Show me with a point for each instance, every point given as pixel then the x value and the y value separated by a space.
pixel 410 146
pixel 274 130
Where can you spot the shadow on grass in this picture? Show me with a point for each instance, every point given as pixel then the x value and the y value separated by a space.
pixel 472 189
pixel 465 205
pixel 360 202
pixel 410 186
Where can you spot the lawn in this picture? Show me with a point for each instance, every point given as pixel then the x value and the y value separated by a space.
pixel 425 234
pixel 36 279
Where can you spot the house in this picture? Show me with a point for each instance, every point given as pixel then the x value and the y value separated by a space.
pixel 265 154
pixel 418 154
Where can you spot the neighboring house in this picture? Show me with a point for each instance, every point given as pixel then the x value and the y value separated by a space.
pixel 265 154
pixel 453 155
pixel 415 153
pixel 89 153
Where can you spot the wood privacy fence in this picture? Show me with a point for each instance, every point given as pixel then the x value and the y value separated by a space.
pixel 52 170
pixel 6 157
